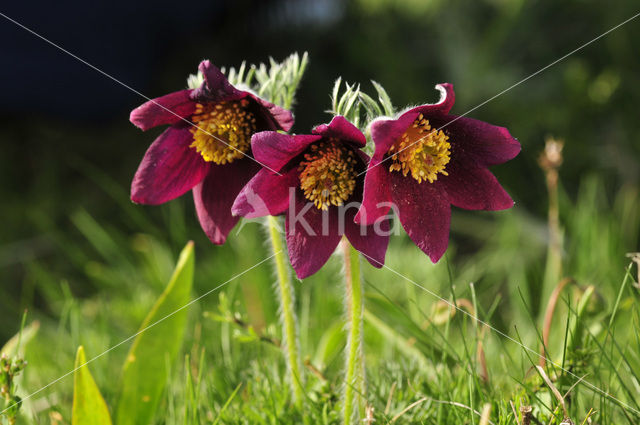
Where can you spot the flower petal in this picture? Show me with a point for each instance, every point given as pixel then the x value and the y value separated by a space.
pixel 372 241
pixel 341 129
pixel 385 132
pixel 214 197
pixel 480 142
pixel 282 118
pixel 424 212
pixel 216 87
pixel 376 198
pixel 474 189
pixel 168 169
pixel 310 245
pixel 444 105
pixel 275 150
pixel 265 194
pixel 168 109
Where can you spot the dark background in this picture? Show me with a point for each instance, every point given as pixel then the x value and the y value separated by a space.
pixel 66 143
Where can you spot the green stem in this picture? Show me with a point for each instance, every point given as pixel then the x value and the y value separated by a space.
pixel 553 269
pixel 287 299
pixel 354 380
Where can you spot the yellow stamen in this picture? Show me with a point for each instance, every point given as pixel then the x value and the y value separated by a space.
pixel 224 130
pixel 422 151
pixel 328 174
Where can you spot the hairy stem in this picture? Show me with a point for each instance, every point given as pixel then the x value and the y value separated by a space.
pixel 354 379
pixel 286 297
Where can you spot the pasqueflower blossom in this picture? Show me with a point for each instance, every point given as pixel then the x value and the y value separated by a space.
pixel 207 147
pixel 319 188
pixel 427 160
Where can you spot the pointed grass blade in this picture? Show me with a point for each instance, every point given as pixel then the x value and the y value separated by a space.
pixel 89 408
pixel 146 368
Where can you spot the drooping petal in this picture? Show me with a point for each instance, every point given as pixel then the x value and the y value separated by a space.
pixel 282 118
pixel 444 105
pixel 168 169
pixel 214 197
pixel 474 188
pixel 275 150
pixel 376 199
pixel 424 212
pixel 480 142
pixel 168 109
pixel 385 132
pixel 310 244
pixel 341 129
pixel 372 241
pixel 265 194
pixel 216 87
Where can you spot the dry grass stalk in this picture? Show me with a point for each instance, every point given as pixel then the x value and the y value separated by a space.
pixel 556 394
pixel 548 316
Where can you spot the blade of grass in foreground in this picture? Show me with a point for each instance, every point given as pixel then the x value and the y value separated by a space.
pixel 89 408
pixel 15 346
pixel 154 350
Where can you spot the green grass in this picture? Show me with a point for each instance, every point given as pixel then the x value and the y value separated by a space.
pixel 423 364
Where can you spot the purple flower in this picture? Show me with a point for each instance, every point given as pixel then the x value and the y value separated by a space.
pixel 319 189
pixel 427 160
pixel 206 148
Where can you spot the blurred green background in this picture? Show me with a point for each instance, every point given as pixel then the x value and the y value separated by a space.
pixel 88 263
pixel 58 158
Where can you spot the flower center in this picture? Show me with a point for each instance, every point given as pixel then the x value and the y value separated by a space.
pixel 328 174
pixel 223 130
pixel 421 151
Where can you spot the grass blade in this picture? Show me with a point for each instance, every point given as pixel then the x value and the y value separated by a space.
pixel 89 408
pixel 15 346
pixel 146 368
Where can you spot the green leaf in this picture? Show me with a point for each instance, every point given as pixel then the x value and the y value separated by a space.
pixel 156 347
pixel 241 72
pixel 350 104
pixel 276 82
pixel 384 98
pixel 372 107
pixel 334 94
pixel 15 346
pixel 379 306
pixel 577 326
pixel 393 337
pixel 330 345
pixel 89 408
pixel 348 93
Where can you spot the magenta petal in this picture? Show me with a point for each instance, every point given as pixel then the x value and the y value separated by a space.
pixel 371 241
pixel 474 189
pixel 424 212
pixel 444 105
pixel 341 129
pixel 385 132
pixel 214 197
pixel 481 142
pixel 265 194
pixel 168 169
pixel 283 118
pixel 168 109
pixel 275 150
pixel 376 198
pixel 310 246
pixel 217 87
